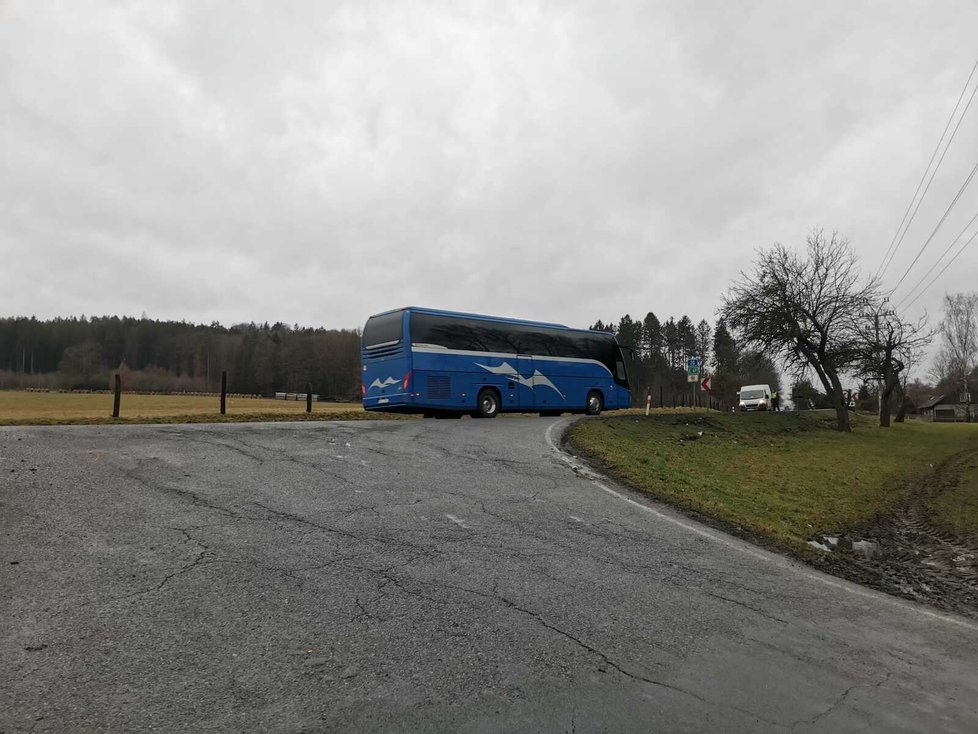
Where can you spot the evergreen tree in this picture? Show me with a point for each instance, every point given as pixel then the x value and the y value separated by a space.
pixel 177 356
pixel 629 332
pixel 703 337
pixel 687 340
pixel 673 343
pixel 652 337
pixel 726 355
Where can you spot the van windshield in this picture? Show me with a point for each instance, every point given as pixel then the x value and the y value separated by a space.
pixel 751 394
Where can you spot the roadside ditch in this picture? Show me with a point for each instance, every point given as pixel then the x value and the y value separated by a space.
pixel 904 552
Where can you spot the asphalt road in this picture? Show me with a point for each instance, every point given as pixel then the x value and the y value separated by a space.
pixel 420 576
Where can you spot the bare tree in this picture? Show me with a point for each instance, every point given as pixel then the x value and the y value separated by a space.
pixel 804 309
pixel 940 368
pixel 959 330
pixel 910 363
pixel 887 345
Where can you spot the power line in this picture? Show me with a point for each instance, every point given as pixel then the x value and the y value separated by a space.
pixel 927 287
pixel 894 244
pixel 946 212
pixel 938 261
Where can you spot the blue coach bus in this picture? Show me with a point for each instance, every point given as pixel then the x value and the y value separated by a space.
pixel 446 364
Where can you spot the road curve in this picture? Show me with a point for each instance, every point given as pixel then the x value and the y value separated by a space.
pixel 421 576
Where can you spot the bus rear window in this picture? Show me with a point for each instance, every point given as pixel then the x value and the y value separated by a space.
pixel 383 329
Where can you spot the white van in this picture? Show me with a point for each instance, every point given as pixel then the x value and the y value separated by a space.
pixel 755 397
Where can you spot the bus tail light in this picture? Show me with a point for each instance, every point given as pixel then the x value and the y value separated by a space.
pixel 407 380
pixel 363 390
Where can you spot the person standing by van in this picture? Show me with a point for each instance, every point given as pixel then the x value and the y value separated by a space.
pixel 775 401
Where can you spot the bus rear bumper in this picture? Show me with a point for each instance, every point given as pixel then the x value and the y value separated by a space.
pixel 396 402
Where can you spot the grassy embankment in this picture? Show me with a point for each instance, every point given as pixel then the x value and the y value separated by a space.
pixel 52 408
pixel 780 477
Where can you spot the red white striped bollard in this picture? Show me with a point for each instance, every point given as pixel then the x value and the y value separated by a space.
pixel 648 402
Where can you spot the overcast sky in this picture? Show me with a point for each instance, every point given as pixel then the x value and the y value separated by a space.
pixel 317 162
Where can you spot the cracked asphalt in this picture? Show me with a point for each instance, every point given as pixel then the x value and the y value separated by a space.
pixel 420 576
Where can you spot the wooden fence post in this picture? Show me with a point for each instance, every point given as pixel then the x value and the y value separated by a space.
pixel 308 397
pixel 224 392
pixel 118 396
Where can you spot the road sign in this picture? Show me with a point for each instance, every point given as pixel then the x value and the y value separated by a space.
pixel 693 366
pixel 705 384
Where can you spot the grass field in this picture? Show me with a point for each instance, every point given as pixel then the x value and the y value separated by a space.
pixel 51 408
pixel 784 476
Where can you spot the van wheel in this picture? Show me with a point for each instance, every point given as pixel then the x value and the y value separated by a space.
pixel 487 404
pixel 594 403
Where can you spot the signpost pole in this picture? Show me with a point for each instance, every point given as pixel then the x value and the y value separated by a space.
pixel 693 375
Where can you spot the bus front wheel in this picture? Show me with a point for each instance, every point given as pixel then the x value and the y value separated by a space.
pixel 487 405
pixel 594 403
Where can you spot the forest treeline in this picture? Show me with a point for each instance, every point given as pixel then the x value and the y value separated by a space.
pixel 662 348
pixel 175 356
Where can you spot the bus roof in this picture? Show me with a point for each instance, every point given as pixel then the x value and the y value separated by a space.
pixel 498 319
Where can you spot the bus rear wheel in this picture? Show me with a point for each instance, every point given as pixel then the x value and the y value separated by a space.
pixel 594 403
pixel 487 404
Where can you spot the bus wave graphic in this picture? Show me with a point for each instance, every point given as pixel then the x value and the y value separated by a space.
pixel 538 378
pixel 386 383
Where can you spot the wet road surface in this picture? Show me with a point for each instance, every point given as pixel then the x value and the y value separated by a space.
pixel 421 576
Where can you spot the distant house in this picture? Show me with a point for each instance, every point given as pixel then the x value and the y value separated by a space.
pixel 946 408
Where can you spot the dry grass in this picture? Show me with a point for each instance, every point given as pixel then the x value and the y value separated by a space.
pixel 52 408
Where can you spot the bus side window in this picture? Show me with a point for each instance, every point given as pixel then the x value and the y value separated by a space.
pixel 620 368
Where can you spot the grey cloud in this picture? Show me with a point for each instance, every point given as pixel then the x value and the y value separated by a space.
pixel 315 163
